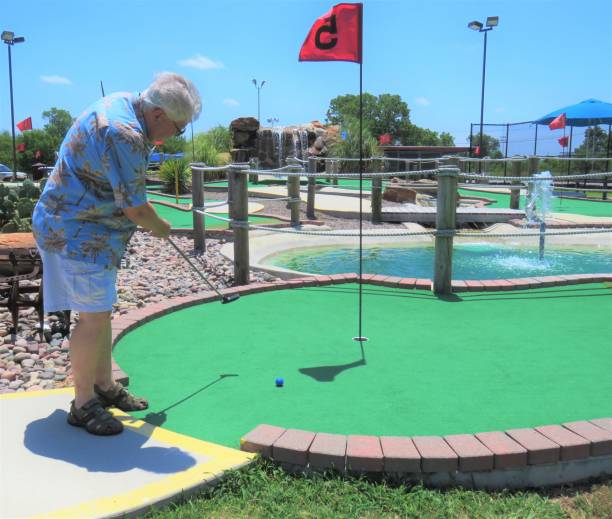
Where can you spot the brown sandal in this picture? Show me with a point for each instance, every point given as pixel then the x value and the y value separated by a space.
pixel 121 398
pixel 94 418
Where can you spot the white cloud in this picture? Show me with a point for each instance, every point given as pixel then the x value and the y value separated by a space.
pixel 200 62
pixel 423 101
pixel 56 80
pixel 230 102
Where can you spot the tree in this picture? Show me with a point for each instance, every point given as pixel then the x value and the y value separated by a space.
pixel 489 147
pixel 595 144
pixel 37 142
pixel 6 149
pixel 59 122
pixel 446 139
pixel 385 114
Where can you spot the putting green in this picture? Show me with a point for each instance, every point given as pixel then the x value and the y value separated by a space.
pixel 559 205
pixel 478 362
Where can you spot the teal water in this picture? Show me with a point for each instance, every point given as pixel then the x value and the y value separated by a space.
pixel 470 261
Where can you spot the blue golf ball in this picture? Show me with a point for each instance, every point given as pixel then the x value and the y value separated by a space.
pixel 280 382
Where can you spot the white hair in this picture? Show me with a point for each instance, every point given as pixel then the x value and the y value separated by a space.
pixel 175 95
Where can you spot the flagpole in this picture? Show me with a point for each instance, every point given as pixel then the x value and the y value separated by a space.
pixel 360 199
pixel 360 338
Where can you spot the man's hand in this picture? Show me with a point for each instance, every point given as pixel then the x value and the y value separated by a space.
pixel 162 230
pixel 145 216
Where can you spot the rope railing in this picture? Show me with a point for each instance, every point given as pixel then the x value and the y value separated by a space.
pixel 461 159
pixel 541 157
pixel 348 175
pixel 582 176
pixel 380 234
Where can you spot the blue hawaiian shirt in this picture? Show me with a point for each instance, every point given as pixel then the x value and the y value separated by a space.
pixel 100 170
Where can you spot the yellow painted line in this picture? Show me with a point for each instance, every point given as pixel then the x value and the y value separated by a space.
pixel 222 459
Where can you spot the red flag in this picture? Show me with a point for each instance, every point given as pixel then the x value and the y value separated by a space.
pixel 558 123
pixel 335 36
pixel 38 154
pixel 477 150
pixel 563 141
pixel 385 138
pixel 21 147
pixel 24 125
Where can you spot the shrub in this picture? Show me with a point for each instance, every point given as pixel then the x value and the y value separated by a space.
pixel 174 169
pixel 349 146
pixel 16 208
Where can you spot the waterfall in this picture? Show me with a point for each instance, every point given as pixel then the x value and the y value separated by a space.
pixel 300 143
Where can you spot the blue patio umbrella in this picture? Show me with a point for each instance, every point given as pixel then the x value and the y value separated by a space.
pixel 586 113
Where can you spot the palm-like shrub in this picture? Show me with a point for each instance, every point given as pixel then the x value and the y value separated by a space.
pixel 349 146
pixel 175 170
pixel 212 148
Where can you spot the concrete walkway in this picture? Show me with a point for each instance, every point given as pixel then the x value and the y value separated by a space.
pixel 50 469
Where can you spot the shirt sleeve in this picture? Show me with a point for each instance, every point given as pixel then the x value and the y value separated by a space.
pixel 127 162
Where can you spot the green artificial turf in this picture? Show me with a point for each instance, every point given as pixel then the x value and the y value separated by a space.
pixel 184 219
pixel 475 362
pixel 559 205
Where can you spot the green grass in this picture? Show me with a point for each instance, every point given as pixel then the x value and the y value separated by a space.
pixel 265 491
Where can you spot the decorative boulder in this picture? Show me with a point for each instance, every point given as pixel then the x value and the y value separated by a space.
pixel 400 194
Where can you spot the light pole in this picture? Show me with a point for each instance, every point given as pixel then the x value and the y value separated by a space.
pixel 492 21
pixel 8 37
pixel 258 92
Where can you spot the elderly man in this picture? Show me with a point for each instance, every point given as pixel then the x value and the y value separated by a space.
pixel 88 211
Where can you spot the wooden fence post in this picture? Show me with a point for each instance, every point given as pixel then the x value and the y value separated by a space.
pixel 533 164
pixel 197 194
pixel 312 181
pixel 515 194
pixel 239 211
pixel 446 214
pixel 293 191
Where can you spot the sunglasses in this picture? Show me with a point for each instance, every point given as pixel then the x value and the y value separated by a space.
pixel 179 131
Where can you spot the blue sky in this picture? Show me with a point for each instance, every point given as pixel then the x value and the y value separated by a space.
pixel 544 54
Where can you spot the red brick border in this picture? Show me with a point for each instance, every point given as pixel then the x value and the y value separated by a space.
pixel 464 453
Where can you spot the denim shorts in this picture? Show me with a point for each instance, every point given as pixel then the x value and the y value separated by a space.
pixel 77 285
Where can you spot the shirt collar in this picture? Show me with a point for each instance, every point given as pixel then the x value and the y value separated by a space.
pixel 137 103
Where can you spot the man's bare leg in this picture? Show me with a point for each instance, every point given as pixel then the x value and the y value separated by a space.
pixel 87 347
pixel 104 372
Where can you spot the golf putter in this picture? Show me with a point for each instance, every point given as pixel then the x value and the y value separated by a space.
pixel 224 298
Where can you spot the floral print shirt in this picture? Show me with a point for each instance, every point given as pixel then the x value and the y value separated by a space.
pixel 100 170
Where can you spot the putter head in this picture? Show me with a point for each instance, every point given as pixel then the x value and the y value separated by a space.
pixel 229 299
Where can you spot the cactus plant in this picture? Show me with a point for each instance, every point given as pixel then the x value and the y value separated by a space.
pixel 16 208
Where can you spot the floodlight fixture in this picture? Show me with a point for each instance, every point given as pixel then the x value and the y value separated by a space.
pixel 8 37
pixel 258 95
pixel 492 21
